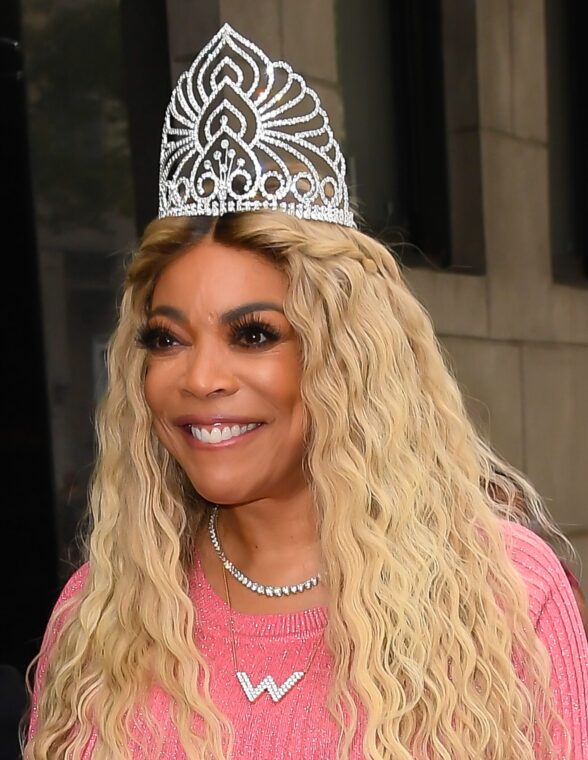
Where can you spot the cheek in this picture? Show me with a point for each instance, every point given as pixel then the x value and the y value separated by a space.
pixel 291 390
pixel 155 390
pixel 279 383
pixel 285 392
pixel 150 389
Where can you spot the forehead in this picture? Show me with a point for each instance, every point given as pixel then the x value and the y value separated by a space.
pixel 218 276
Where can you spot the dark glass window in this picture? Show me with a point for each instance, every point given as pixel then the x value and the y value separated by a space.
pixel 410 88
pixel 82 184
pixel 98 82
pixel 567 60
pixel 391 60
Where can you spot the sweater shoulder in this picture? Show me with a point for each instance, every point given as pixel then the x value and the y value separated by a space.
pixel 74 585
pixel 67 599
pixel 536 563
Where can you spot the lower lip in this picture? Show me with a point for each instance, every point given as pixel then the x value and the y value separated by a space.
pixel 196 444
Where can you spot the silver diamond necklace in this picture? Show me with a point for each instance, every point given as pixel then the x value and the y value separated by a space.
pixel 259 588
pixel 267 683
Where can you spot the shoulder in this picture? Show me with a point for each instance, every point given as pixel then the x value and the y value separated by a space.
pixel 537 564
pixel 61 611
pixel 556 619
pixel 76 582
pixel 67 599
pixel 74 585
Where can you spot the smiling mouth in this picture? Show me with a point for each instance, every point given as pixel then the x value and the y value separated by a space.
pixel 219 433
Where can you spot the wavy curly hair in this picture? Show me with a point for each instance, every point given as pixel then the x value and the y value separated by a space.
pixel 427 615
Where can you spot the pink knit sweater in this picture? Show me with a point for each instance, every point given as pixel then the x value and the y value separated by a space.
pixel 299 725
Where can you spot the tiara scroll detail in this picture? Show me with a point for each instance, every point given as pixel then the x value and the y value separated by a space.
pixel 243 133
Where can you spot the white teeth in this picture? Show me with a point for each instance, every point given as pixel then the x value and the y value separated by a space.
pixel 218 434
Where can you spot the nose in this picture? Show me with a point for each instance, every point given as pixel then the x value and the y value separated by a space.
pixel 208 371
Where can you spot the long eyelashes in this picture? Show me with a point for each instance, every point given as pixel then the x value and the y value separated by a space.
pixel 249 327
pixel 148 337
pixel 249 331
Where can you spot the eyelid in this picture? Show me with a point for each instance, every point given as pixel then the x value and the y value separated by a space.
pixel 148 332
pixel 250 322
pixel 159 323
pixel 251 318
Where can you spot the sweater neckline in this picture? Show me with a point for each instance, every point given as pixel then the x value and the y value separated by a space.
pixel 213 608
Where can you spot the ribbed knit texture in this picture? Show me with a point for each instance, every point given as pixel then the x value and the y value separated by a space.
pixel 299 726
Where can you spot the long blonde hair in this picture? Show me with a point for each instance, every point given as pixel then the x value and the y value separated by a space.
pixel 427 613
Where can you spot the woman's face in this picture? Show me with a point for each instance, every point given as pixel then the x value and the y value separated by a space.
pixel 223 375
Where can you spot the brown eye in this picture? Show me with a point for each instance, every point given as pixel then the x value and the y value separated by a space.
pixel 155 339
pixel 253 333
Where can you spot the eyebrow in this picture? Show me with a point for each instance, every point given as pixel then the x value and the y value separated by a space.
pixel 168 311
pixel 248 308
pixel 226 317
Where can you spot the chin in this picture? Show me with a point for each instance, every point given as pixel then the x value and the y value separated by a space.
pixel 226 493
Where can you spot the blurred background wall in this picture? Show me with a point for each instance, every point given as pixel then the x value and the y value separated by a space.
pixel 462 126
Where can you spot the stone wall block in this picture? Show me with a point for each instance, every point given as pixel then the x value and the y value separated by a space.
pixel 525 303
pixel 308 28
pixel 516 217
pixel 457 303
pixel 258 20
pixel 568 308
pixel 494 64
pixel 489 375
pixel 556 428
pixel 529 70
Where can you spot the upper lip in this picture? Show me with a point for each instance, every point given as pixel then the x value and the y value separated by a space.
pixel 214 419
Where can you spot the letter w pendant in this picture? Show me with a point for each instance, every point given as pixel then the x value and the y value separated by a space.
pixel 276 692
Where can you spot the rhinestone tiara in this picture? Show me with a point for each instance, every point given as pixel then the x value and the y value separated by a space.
pixel 244 133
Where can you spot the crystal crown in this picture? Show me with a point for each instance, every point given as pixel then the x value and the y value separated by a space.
pixel 244 133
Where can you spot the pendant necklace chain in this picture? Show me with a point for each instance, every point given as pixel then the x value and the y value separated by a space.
pixel 267 683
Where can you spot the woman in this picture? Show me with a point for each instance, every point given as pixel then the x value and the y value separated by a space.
pixel 296 551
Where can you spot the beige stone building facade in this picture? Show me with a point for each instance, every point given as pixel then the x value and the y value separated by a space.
pixel 517 339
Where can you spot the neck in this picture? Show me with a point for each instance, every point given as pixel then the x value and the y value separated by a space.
pixel 271 533
pixel 272 541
